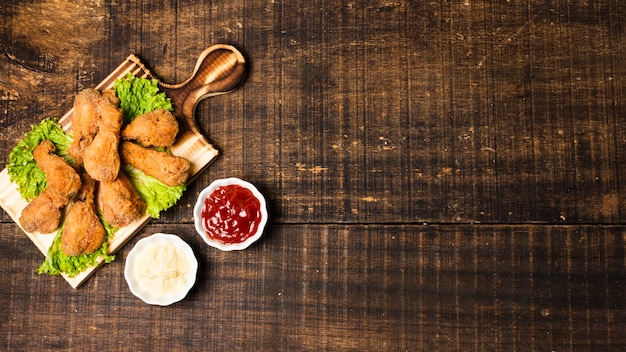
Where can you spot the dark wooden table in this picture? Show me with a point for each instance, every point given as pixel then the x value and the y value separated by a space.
pixel 441 175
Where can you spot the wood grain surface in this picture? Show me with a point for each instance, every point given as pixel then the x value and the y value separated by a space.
pixel 442 175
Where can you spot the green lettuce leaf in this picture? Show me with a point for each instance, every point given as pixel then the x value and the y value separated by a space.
pixel 158 196
pixel 21 166
pixel 58 262
pixel 139 95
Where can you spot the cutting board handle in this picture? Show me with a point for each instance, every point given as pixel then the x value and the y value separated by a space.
pixel 220 69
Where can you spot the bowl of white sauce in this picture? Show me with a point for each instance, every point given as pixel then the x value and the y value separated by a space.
pixel 161 269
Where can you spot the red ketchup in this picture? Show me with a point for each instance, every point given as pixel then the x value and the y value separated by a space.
pixel 231 214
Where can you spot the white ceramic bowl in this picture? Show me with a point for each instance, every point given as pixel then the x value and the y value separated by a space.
pixel 197 214
pixel 139 256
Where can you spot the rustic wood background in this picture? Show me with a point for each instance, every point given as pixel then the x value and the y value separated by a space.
pixel 441 175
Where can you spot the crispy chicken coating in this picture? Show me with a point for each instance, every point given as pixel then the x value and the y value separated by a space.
pixel 84 122
pixel 119 201
pixel 111 115
pixel 86 118
pixel 96 124
pixel 110 95
pixel 157 128
pixel 101 158
pixel 43 214
pixel 167 168
pixel 60 176
pixel 83 233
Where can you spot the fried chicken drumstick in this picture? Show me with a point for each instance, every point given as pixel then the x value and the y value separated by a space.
pixel 43 214
pixel 119 201
pixel 96 123
pixel 83 232
pixel 157 128
pixel 167 168
pixel 84 122
pixel 100 158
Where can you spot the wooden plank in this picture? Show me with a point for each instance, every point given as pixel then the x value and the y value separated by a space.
pixel 358 122
pixel 433 111
pixel 344 287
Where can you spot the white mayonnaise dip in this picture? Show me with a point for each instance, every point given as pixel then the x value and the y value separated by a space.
pixel 160 269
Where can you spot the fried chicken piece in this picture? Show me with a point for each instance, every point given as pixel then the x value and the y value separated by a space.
pixel 157 128
pixel 167 168
pixel 110 95
pixel 83 233
pixel 43 213
pixel 101 158
pixel 61 178
pixel 111 115
pixel 84 122
pixel 96 124
pixel 119 201
pixel 86 118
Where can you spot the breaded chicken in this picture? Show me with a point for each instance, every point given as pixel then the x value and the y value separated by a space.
pixel 84 122
pixel 167 168
pixel 157 128
pixel 43 213
pixel 83 233
pixel 101 159
pixel 61 178
pixel 96 124
pixel 111 115
pixel 119 201
pixel 110 95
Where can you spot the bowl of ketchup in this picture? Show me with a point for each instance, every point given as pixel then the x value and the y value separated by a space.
pixel 230 214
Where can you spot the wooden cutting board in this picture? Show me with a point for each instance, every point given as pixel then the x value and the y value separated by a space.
pixel 220 69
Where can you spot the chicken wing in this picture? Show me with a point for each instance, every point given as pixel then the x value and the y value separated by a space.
pixel 157 128
pixel 83 232
pixel 119 201
pixel 167 168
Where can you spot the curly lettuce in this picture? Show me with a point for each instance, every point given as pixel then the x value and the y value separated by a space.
pixel 139 95
pixel 21 166
pixel 156 194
